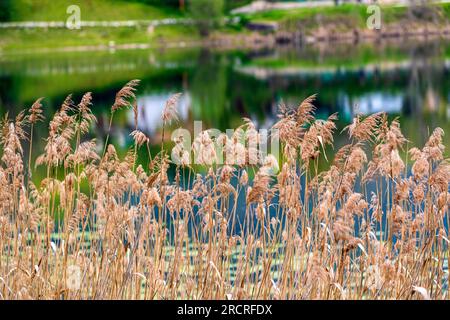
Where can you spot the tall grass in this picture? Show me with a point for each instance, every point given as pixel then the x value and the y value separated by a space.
pixel 372 226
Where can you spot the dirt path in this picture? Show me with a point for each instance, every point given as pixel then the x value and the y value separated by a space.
pixel 257 6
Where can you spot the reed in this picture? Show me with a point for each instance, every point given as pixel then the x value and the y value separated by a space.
pixel 371 226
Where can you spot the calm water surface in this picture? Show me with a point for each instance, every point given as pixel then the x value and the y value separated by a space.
pixel 406 79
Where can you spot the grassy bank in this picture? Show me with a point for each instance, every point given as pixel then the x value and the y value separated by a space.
pixel 14 40
pixel 102 10
pixel 354 13
pixel 350 21
pixel 334 20
pixel 98 10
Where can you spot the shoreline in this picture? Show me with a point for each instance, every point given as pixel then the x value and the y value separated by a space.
pixel 344 23
pixel 356 35
pixel 254 41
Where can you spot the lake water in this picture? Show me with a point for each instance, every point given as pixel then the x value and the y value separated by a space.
pixel 409 79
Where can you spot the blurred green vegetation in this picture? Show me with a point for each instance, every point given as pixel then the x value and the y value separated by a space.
pixel 36 39
pixel 99 10
pixel 221 94
pixel 344 17
pixel 207 14
pixel 351 12
pixel 220 90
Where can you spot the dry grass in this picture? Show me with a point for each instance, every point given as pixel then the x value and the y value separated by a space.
pixel 306 234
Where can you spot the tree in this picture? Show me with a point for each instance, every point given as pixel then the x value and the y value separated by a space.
pixel 207 14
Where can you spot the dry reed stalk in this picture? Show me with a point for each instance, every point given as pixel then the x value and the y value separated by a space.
pixel 365 228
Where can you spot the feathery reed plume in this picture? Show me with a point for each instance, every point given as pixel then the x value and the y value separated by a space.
pixel 35 112
pixel 124 94
pixel 305 111
pixel 35 115
pixel 139 137
pixel 365 129
pixel 170 112
pixel 122 101
pixel 86 118
pixel 67 105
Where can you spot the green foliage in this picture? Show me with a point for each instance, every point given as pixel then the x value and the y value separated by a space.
pixel 169 3
pixel 99 10
pixel 208 87
pixel 207 14
pixel 228 4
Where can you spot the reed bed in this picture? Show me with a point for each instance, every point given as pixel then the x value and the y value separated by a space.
pixel 374 225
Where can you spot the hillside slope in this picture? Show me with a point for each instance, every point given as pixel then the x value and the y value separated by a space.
pixel 100 10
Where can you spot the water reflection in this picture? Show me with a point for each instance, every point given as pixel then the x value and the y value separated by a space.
pixel 408 79
pixel 373 102
pixel 151 107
